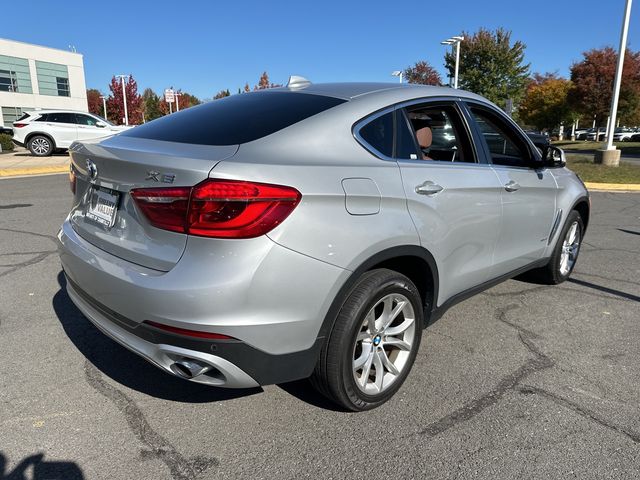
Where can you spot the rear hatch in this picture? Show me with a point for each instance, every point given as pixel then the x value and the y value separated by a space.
pixel 104 214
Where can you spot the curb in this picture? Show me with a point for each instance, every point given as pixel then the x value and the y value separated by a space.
pixel 613 187
pixel 22 171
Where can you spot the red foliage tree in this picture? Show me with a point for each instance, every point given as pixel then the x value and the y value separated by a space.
pixel 265 83
pixel 222 94
pixel 115 102
pixel 94 102
pixel 422 73
pixel 593 85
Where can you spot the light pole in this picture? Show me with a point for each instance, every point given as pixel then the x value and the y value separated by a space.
pixel 124 98
pixel 104 106
pixel 455 41
pixel 397 73
pixel 609 155
pixel 177 94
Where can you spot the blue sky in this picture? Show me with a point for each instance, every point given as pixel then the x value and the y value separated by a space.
pixel 205 46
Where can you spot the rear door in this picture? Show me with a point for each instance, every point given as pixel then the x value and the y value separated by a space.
pixel 528 191
pixel 453 198
pixel 62 127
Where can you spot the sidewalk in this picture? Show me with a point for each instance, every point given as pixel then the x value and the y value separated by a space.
pixel 21 162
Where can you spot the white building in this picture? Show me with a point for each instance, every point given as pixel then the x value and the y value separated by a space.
pixel 34 77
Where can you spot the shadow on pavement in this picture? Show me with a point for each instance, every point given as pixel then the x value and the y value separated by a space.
pixel 629 231
pixel 127 368
pixel 610 291
pixel 42 469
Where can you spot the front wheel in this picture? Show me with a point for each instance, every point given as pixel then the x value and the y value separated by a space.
pixel 40 146
pixel 565 254
pixel 374 342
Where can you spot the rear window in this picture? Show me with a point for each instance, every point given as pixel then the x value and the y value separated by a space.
pixel 237 119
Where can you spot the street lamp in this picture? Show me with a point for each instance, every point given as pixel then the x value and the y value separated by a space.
pixel 455 41
pixel 607 155
pixel 177 94
pixel 397 73
pixel 104 106
pixel 124 97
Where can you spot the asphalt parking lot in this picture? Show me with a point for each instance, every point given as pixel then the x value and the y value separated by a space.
pixel 522 381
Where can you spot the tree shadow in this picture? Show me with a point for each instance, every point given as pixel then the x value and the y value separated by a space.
pixel 127 368
pixel 611 291
pixel 42 469
pixel 632 232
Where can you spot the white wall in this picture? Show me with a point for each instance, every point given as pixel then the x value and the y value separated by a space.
pixel 75 66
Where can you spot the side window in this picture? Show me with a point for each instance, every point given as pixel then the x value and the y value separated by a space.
pixel 42 118
pixel 378 133
pixel 86 120
pixel 61 117
pixel 406 146
pixel 440 133
pixel 503 142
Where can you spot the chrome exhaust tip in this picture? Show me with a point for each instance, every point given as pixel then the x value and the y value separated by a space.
pixel 187 368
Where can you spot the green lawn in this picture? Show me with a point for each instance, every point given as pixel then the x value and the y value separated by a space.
pixel 588 171
pixel 625 147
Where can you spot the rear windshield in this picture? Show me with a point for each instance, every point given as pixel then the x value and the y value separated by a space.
pixel 236 119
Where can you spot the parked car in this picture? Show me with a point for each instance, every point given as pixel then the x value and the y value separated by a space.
pixel 310 230
pixel 602 132
pixel 540 140
pixel 6 130
pixel 45 131
pixel 635 137
pixel 623 134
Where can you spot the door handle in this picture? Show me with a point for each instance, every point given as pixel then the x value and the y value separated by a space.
pixel 511 186
pixel 428 188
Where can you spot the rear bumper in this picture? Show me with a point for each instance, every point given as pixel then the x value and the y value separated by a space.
pixel 20 144
pixel 271 299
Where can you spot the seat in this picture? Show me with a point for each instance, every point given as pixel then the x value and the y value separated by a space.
pixel 424 136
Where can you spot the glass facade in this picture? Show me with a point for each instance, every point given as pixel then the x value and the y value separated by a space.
pixel 14 75
pixel 53 79
pixel 11 114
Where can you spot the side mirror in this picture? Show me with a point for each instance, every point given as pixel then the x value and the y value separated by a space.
pixel 553 157
pixel 101 124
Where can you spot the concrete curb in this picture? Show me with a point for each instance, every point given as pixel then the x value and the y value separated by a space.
pixel 22 171
pixel 613 187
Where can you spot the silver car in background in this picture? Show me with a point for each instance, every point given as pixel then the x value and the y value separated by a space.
pixel 312 230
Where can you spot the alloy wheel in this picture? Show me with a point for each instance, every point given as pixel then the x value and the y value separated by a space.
pixel 40 146
pixel 570 248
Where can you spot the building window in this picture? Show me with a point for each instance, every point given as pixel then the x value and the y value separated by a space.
pixel 11 114
pixel 53 79
pixel 14 75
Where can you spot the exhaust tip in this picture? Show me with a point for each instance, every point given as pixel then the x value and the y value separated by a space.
pixel 187 368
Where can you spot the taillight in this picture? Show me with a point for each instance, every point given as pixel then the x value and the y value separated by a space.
pixel 218 208
pixel 20 125
pixel 189 333
pixel 72 179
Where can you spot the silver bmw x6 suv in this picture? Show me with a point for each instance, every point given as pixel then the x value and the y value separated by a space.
pixel 310 230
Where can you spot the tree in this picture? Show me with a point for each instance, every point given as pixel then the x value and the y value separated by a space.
pixel 593 85
pixel 115 103
pixel 491 66
pixel 422 73
pixel 545 102
pixel 187 100
pixel 94 102
pixel 265 83
pixel 223 93
pixel 246 88
pixel 151 105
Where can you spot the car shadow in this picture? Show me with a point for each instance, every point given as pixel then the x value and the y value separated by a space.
pixel 304 391
pixel 40 469
pixel 127 368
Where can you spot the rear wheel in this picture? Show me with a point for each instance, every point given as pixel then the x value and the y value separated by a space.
pixel 565 254
pixel 40 146
pixel 374 342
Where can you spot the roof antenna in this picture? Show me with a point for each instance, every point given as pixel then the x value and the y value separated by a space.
pixel 296 81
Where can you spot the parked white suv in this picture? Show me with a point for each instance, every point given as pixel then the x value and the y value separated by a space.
pixel 44 131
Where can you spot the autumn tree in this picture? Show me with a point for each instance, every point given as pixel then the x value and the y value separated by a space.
pixel 151 105
pixel 545 104
pixel 187 100
pixel 265 83
pixel 223 93
pixel 592 88
pixel 94 102
pixel 246 88
pixel 423 73
pixel 491 65
pixel 115 102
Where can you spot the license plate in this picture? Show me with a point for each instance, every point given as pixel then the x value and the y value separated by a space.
pixel 103 206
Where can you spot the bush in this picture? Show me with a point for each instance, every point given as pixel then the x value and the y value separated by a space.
pixel 5 141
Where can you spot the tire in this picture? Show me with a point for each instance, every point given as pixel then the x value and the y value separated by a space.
pixel 359 342
pixel 555 272
pixel 40 146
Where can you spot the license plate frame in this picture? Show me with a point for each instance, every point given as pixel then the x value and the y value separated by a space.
pixel 103 206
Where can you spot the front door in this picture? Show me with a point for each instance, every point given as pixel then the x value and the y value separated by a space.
pixel 62 127
pixel 528 192
pixel 453 198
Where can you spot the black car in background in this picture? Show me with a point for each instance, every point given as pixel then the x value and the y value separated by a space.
pixel 6 130
pixel 540 140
